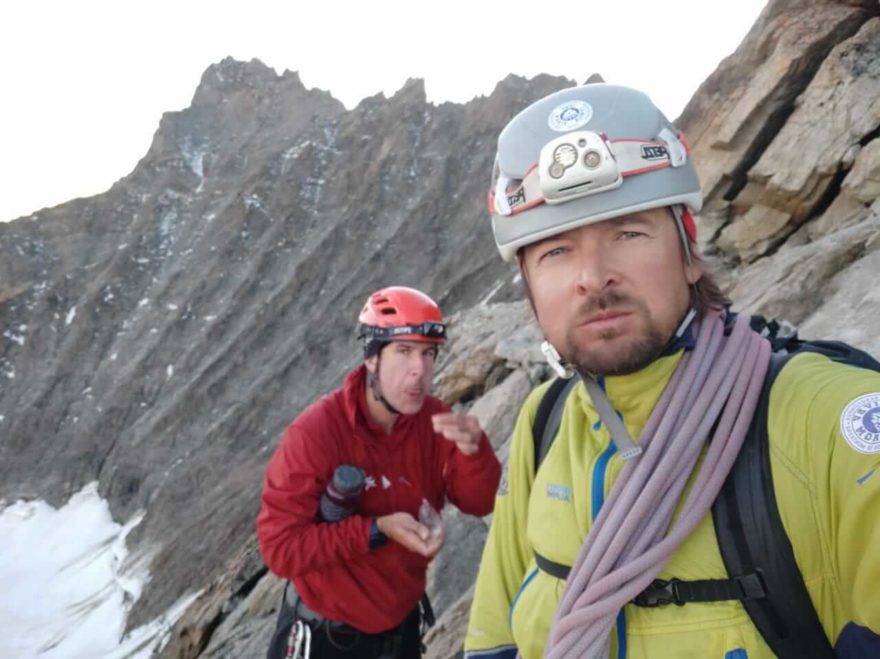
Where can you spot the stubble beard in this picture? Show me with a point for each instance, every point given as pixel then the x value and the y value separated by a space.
pixel 613 353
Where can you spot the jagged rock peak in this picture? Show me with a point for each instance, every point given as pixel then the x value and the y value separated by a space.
pixel 515 86
pixel 511 80
pixel 233 72
pixel 231 77
pixel 413 90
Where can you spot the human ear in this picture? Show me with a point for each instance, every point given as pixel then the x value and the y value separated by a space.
pixel 693 267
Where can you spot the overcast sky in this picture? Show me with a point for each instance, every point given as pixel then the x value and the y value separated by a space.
pixel 85 82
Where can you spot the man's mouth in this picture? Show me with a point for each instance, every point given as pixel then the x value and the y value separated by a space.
pixel 604 319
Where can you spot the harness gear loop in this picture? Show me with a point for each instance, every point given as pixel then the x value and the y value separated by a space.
pixel 299 643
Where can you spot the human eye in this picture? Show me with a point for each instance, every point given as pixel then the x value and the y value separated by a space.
pixel 629 234
pixel 552 252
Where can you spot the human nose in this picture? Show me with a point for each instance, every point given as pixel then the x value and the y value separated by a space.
pixel 416 363
pixel 595 271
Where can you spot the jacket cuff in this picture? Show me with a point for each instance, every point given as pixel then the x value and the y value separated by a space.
pixel 377 538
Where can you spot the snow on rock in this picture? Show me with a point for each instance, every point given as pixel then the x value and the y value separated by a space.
pixel 68 583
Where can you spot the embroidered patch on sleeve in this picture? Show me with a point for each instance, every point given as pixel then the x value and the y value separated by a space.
pixel 860 424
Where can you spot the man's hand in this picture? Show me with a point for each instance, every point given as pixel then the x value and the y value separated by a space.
pixel 462 429
pixel 406 530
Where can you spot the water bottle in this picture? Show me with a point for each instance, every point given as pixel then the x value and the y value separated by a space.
pixel 343 493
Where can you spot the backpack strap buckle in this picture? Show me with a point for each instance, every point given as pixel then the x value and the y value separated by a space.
pixel 659 593
pixel 752 585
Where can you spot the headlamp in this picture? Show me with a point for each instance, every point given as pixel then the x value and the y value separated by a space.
pixel 582 163
pixel 576 164
pixel 429 329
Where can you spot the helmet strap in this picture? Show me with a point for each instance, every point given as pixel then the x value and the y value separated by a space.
pixel 375 389
pixel 678 213
pixel 559 365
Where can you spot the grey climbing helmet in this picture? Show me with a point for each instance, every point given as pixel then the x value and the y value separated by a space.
pixel 583 155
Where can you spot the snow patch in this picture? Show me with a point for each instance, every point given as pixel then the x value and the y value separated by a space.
pixel 491 294
pixel 252 201
pixel 69 582
pixel 16 335
pixel 194 156
pixel 292 154
pixel 166 228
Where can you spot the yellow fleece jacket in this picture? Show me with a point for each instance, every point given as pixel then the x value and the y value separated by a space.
pixel 825 460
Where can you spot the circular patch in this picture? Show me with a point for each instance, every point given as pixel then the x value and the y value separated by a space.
pixel 860 424
pixel 570 115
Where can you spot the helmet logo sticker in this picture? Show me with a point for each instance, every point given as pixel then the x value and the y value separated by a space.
pixel 517 198
pixel 570 116
pixel 860 424
pixel 654 152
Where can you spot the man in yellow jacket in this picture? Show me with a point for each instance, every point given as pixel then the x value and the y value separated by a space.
pixel 593 195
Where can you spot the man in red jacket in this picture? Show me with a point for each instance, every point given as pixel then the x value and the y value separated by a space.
pixel 357 582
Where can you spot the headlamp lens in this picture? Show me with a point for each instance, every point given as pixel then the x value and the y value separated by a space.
pixel 566 155
pixel 592 159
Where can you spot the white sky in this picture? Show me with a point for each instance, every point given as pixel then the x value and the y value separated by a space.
pixel 68 583
pixel 84 83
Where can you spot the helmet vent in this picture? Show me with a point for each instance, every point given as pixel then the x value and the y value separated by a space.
pixel 388 312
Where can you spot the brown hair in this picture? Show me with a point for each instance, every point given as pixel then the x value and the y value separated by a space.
pixel 707 294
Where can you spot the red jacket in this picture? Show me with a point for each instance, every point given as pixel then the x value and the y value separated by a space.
pixel 331 564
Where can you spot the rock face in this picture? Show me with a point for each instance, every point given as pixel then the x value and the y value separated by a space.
pixel 158 337
pixel 785 134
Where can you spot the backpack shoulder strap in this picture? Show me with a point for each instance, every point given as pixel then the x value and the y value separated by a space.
pixel 842 353
pixel 752 540
pixel 544 431
pixel 549 416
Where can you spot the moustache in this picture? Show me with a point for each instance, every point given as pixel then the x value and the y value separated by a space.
pixel 604 301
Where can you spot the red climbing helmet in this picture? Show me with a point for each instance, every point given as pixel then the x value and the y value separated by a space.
pixel 398 313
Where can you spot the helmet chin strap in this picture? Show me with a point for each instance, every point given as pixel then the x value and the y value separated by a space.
pixel 562 368
pixel 373 384
pixel 678 213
